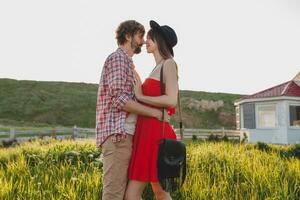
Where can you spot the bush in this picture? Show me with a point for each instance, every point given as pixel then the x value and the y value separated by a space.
pixel 213 138
pixel 194 137
pixel 262 146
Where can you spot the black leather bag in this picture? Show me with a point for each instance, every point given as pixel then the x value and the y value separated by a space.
pixel 171 164
pixel 171 161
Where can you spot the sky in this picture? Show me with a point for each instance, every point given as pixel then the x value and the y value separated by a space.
pixel 232 46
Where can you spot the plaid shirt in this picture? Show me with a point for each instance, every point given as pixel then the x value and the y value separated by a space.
pixel 115 89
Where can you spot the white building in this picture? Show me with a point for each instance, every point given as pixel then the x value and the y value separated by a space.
pixel 272 115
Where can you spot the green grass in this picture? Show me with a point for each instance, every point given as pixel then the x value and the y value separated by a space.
pixel 40 135
pixel 67 134
pixel 72 170
pixel 4 129
pixel 55 170
pixel 27 128
pixel 42 104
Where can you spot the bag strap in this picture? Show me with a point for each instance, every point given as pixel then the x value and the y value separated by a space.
pixel 162 92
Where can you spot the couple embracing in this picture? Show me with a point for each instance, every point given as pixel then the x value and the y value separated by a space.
pixel 129 114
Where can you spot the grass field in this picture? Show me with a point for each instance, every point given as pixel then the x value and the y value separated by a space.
pixel 72 170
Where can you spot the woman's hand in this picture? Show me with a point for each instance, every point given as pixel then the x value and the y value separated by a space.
pixel 137 86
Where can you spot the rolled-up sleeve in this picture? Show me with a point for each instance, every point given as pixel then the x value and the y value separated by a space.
pixel 118 80
pixel 120 101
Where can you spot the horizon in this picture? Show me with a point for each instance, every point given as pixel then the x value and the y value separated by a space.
pixel 179 88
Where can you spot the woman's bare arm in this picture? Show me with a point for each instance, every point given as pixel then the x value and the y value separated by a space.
pixel 171 81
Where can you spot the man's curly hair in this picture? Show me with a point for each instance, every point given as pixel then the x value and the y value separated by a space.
pixel 128 27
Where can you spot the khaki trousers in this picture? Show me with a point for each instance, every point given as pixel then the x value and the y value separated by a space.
pixel 116 158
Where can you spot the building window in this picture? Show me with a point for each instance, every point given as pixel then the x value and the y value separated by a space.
pixel 249 116
pixel 295 116
pixel 267 116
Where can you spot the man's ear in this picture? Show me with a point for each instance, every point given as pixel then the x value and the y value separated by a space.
pixel 128 37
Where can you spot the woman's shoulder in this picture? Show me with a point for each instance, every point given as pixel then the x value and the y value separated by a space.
pixel 170 61
pixel 170 64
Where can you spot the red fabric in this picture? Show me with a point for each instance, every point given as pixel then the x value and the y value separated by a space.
pixel 143 164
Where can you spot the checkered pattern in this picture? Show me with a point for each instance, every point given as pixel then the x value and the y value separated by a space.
pixel 115 89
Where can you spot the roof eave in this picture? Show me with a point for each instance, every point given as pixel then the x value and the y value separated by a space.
pixel 267 99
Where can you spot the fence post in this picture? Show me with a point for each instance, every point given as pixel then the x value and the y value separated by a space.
pixel 53 133
pixel 223 131
pixel 74 133
pixel 12 133
pixel 181 129
pixel 244 135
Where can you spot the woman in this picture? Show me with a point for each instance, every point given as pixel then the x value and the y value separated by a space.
pixel 143 165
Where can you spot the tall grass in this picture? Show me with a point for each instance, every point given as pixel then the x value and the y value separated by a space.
pixel 72 170
pixel 56 170
pixel 227 171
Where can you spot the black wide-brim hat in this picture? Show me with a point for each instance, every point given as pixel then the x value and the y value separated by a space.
pixel 168 34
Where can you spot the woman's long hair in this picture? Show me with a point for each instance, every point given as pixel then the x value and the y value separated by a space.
pixel 161 44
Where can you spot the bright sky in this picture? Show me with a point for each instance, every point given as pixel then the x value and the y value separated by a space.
pixel 232 46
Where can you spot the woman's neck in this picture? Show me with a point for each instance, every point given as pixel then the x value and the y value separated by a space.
pixel 158 58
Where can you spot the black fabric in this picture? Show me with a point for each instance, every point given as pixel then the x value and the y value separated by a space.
pixel 168 34
pixel 171 161
pixel 171 164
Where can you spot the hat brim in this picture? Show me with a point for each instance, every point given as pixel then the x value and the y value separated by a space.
pixel 171 50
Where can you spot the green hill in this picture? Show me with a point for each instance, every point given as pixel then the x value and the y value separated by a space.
pixel 40 103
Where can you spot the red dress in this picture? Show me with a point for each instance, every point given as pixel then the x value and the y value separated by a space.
pixel 148 132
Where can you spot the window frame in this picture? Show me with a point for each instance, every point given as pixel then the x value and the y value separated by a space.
pixel 258 106
pixel 242 113
pixel 289 116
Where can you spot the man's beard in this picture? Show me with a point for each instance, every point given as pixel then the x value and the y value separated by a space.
pixel 137 48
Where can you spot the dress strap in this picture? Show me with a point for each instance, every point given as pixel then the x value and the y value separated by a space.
pixel 159 64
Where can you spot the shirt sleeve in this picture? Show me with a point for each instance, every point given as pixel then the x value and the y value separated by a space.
pixel 118 79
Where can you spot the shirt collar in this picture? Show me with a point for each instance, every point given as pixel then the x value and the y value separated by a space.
pixel 128 57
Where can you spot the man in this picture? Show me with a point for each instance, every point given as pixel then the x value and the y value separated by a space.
pixel 117 109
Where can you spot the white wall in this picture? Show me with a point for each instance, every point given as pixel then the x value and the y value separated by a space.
pixel 277 135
